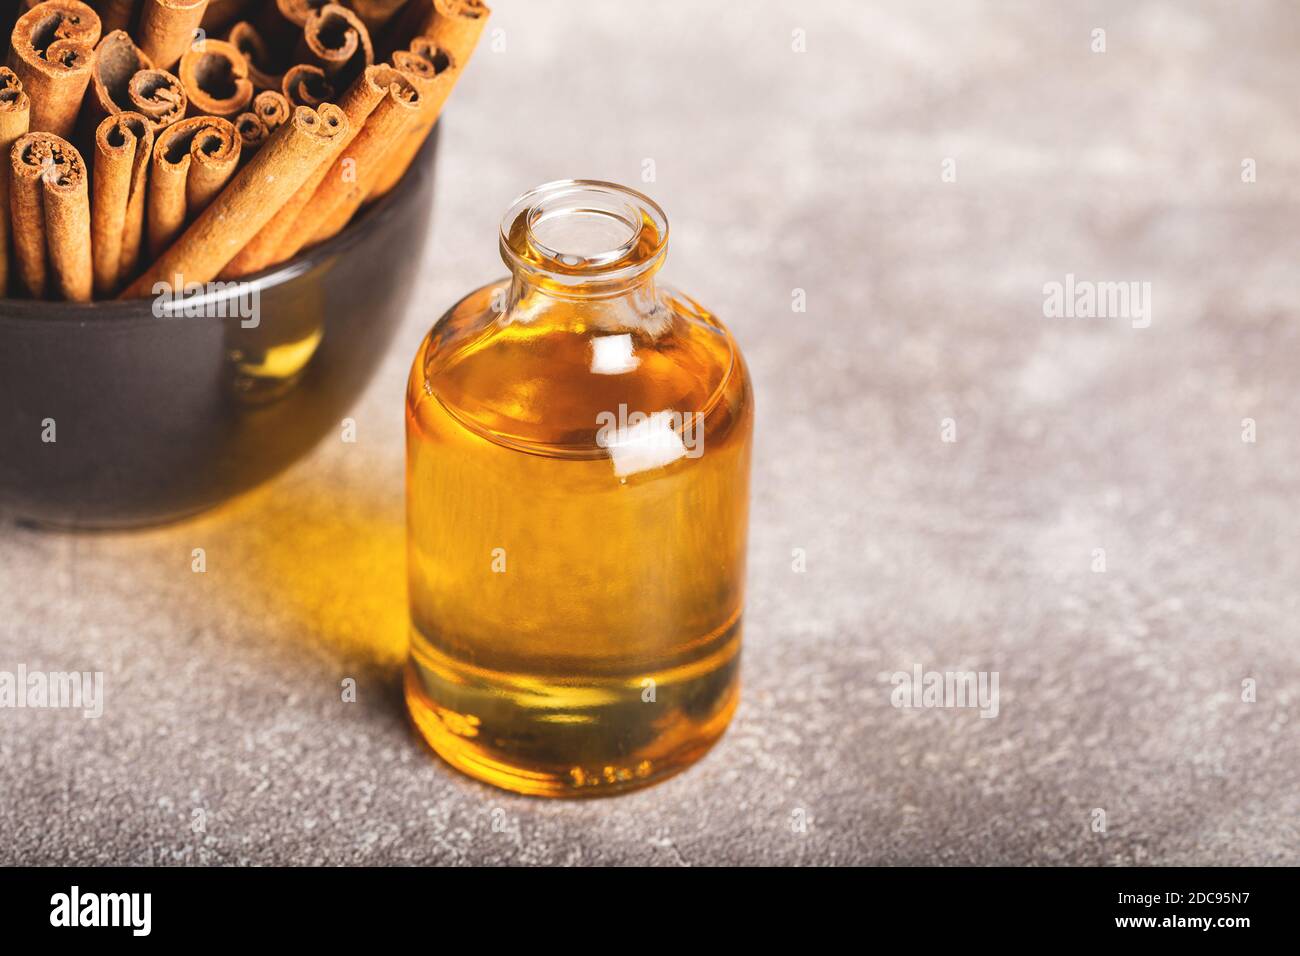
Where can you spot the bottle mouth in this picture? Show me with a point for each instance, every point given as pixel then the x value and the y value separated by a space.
pixel 580 232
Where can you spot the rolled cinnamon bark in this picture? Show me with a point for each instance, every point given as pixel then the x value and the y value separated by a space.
pixel 284 234
pixel 51 51
pixel 306 85
pixel 352 175
pixel 159 97
pixel 221 13
pixel 192 161
pixel 116 15
pixel 252 134
pixel 407 22
pixel 280 22
pixel 116 60
pixel 376 14
pixel 297 12
pixel 271 108
pixel 261 64
pixel 456 25
pixel 335 39
pixel 15 114
pixel 123 80
pixel 257 193
pixel 167 28
pixel 123 145
pixel 51 217
pixel 215 78
pixel 434 72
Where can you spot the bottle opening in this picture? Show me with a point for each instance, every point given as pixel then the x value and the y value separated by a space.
pixel 575 232
pixel 578 235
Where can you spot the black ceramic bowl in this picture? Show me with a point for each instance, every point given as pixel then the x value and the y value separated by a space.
pixel 114 417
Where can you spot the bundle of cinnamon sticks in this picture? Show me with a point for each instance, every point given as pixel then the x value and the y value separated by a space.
pixel 167 141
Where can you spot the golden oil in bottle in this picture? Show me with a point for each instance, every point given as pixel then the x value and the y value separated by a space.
pixel 578 444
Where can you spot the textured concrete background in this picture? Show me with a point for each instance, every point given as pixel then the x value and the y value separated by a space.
pixel 819 171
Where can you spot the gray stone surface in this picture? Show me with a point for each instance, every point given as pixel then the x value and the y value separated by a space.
pixel 818 171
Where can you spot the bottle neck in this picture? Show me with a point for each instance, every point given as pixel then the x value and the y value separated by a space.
pixel 594 247
pixel 634 306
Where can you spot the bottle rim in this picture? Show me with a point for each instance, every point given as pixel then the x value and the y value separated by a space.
pixel 579 232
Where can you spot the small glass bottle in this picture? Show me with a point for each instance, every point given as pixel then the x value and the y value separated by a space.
pixel 578 445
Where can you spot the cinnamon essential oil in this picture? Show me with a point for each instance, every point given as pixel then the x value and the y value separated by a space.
pixel 578 445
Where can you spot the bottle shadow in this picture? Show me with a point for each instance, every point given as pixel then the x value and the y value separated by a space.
pixel 326 566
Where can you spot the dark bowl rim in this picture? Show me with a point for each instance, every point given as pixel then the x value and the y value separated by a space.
pixel 44 311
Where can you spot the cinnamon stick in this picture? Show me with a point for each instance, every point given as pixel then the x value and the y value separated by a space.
pixel 158 96
pixel 123 145
pixel 116 60
pixel 306 85
pixel 50 208
pixel 116 15
pixel 434 72
pixel 335 39
pixel 284 234
pixel 192 161
pixel 296 12
pixel 352 175
pixel 167 28
pixel 256 194
pixel 15 114
pixel 261 69
pixel 252 134
pixel 51 52
pixel 456 25
pixel 271 108
pixel 280 22
pixel 215 78
pixel 221 13
pixel 376 14
pixel 123 79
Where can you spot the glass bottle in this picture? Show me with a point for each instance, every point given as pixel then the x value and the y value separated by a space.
pixel 578 445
